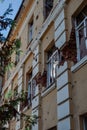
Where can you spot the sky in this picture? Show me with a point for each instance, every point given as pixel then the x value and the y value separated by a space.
pixel 15 6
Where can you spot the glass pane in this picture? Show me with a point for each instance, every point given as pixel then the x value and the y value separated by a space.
pixel 48 7
pixel 50 73
pixel 82 15
pixel 82 41
pixel 1 83
pixel 86 27
pixel 29 92
pixel 85 123
pixel 80 18
pixel 86 43
pixel 33 87
pixel 31 31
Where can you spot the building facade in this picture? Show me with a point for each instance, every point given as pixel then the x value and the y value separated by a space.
pixel 56 92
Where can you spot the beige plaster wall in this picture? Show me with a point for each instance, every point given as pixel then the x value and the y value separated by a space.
pixel 79 94
pixel 12 125
pixel 48 102
pixel 47 42
pixel 27 67
pixel 79 78
pixel 20 20
pixel 49 110
pixel 72 9
pixel 24 39
pixel 38 17
pixel 15 82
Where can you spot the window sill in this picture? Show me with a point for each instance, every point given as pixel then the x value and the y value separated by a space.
pixel 80 64
pixel 48 90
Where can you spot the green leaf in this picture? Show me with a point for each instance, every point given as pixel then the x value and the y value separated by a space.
pixel 9 66
pixel 8 95
pixel 13 24
pixel 19 51
pixel 17 43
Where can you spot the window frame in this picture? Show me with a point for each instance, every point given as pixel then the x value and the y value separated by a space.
pixel 83 122
pixel 46 11
pixel 30 30
pixel 30 87
pixel 17 58
pixel 1 83
pixel 29 92
pixel 78 28
pixel 51 69
pixel 18 105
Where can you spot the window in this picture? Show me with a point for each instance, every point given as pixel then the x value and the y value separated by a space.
pixel 1 83
pixel 83 122
pixel 30 87
pixel 17 58
pixel 17 107
pixel 51 68
pixel 48 4
pixel 15 92
pixel 81 34
pixel 8 74
pixel 29 91
pixel 31 30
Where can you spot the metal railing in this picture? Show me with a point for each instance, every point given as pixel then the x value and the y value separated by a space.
pixel 51 68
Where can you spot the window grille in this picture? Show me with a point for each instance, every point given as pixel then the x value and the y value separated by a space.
pixel 51 68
